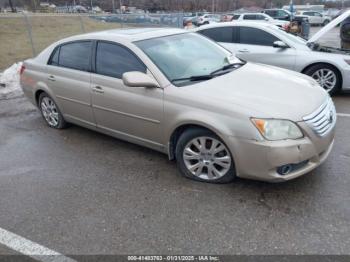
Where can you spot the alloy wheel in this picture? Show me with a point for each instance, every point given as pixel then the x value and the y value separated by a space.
pixel 207 158
pixel 326 78
pixel 49 110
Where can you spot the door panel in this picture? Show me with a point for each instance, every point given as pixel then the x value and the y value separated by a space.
pixel 72 92
pixel 132 113
pixel 280 57
pixel 256 45
pixel 69 80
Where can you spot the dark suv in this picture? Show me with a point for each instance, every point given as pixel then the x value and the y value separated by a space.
pixel 279 14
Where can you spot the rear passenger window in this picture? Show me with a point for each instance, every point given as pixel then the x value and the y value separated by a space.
pixel 75 55
pixel 219 34
pixel 114 60
pixel 254 36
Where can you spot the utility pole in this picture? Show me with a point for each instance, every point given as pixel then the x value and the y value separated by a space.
pixel 113 6
pixel 11 6
pixel 91 5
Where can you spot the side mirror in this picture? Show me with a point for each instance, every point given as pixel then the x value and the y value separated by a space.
pixel 280 44
pixel 139 79
pixel 266 19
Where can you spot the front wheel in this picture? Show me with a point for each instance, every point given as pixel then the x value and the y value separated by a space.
pixel 202 156
pixel 327 76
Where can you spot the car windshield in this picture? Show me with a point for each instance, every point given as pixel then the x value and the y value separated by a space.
pixel 186 58
pixel 291 37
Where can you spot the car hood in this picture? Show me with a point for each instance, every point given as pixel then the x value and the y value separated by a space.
pixel 329 27
pixel 265 91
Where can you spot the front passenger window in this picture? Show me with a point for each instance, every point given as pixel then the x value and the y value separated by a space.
pixel 219 34
pixel 114 60
pixel 254 36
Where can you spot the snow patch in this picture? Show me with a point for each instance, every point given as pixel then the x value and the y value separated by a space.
pixel 9 81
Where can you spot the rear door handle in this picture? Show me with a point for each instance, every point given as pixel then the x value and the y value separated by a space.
pixel 98 89
pixel 51 78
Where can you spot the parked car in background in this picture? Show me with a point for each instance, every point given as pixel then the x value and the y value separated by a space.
pixel 279 14
pixel 186 96
pixel 315 18
pixel 269 44
pixel 207 19
pixel 229 17
pixel 260 17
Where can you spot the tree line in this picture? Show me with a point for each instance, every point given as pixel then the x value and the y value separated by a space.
pixel 172 5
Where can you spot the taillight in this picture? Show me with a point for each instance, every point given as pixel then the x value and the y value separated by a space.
pixel 22 69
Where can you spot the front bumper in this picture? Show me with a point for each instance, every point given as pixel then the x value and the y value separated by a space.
pixel 259 160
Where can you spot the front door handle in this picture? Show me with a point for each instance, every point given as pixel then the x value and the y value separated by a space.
pixel 244 51
pixel 98 89
pixel 51 78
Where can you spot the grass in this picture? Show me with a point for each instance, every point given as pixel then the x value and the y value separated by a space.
pixel 14 41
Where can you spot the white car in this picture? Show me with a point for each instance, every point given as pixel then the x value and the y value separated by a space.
pixel 315 18
pixel 259 17
pixel 207 19
pixel 269 44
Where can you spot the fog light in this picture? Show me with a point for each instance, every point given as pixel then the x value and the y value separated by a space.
pixel 285 170
pixel 289 168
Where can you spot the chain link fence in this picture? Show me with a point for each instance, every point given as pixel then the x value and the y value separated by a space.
pixel 24 35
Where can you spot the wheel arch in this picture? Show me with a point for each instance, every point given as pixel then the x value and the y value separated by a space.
pixel 328 64
pixel 37 95
pixel 180 129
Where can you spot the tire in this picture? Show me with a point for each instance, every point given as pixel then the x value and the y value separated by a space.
pixel 325 22
pixel 50 112
pixel 213 167
pixel 315 72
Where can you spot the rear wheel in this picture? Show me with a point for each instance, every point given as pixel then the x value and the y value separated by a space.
pixel 202 156
pixel 50 112
pixel 327 76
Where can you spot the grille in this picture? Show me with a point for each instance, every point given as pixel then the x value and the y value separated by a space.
pixel 323 119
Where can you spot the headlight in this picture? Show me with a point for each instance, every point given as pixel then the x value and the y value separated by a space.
pixel 347 61
pixel 274 129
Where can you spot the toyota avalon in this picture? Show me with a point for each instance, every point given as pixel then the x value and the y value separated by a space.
pixel 182 94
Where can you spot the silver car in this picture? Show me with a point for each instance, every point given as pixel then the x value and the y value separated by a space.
pixel 186 96
pixel 269 44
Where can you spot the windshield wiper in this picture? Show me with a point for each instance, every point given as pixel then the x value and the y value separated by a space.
pixel 211 75
pixel 194 78
pixel 226 67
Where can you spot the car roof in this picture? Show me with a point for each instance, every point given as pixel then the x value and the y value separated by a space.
pixel 237 23
pixel 251 13
pixel 128 35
